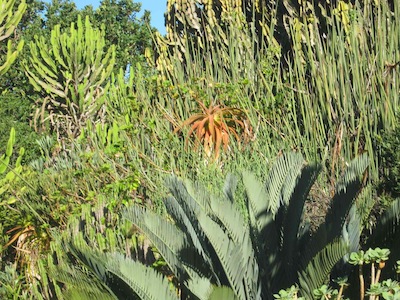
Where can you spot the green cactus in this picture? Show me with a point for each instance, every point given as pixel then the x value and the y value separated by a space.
pixel 212 25
pixel 7 173
pixel 9 19
pixel 72 72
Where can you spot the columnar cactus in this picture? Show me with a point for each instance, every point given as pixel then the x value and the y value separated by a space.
pixel 9 19
pixel 208 23
pixel 72 71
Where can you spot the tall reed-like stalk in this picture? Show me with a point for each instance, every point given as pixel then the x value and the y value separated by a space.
pixel 329 99
pixel 343 89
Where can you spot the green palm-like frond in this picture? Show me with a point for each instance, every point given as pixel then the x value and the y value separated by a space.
pixel 86 277
pixel 347 191
pixel 387 226
pixel 200 286
pixel 109 276
pixel 222 292
pixel 183 207
pixel 231 219
pixel 191 230
pixel 230 187
pixel 293 217
pixel 164 235
pixel 352 172
pixel 264 231
pixel 80 284
pixel 140 278
pixel 83 294
pixel 257 203
pixel 186 202
pixel 220 230
pixel 236 258
pixel 317 271
pixel 352 230
pixel 92 260
pixel 282 180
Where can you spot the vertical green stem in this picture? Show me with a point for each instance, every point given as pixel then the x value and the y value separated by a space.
pixel 362 288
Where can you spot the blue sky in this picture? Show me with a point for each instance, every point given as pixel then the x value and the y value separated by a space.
pixel 156 7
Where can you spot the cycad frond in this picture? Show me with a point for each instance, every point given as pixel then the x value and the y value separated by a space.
pixel 87 278
pixel 109 276
pixel 77 293
pixel 293 216
pixel 339 210
pixel 217 227
pixel 235 258
pixel 230 187
pixel 200 286
pixel 90 259
pixel 164 235
pixel 257 201
pixel 80 284
pixel 352 230
pixel 183 222
pixel 186 202
pixel 317 271
pixel 230 217
pixel 222 292
pixel 232 222
pixel 183 207
pixel 352 172
pixel 347 191
pixel 282 180
pixel 264 232
pixel 140 278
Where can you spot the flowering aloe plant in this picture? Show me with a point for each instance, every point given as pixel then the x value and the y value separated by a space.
pixel 214 125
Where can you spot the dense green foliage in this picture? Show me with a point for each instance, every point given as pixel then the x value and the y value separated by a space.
pixel 255 252
pixel 17 95
pixel 91 205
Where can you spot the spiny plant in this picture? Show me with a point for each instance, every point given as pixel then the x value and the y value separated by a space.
pixel 71 72
pixel 214 127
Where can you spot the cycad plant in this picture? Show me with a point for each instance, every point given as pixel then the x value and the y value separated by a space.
pixel 211 246
pixel 262 250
